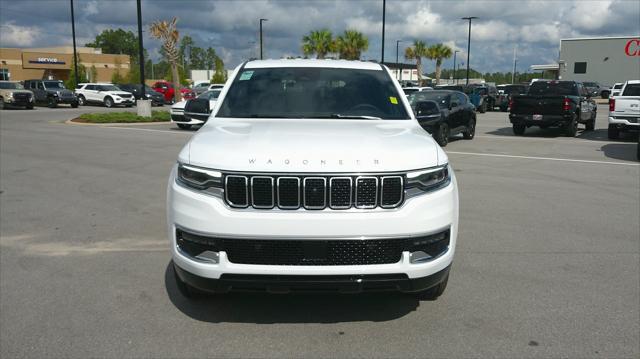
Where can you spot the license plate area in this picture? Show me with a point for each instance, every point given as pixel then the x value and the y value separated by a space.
pixel 536 117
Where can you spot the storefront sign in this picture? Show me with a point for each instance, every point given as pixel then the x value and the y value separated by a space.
pixel 47 60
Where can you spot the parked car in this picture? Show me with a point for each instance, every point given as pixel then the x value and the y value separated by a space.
pixel 506 92
pixel 597 90
pixel 12 94
pixel 452 114
pixel 105 94
pixel 615 89
pixel 167 90
pixel 51 92
pixel 409 90
pixel 553 104
pixel 312 175
pixel 136 89
pixel 624 110
pixel 202 87
pixel 488 96
pixel 187 113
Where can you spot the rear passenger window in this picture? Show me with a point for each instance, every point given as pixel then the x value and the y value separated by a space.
pixel 462 99
pixel 632 90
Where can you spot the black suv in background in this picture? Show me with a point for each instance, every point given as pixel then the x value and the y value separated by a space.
pixel 136 89
pixel 51 93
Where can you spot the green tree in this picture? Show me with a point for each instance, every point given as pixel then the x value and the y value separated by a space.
pixel 168 33
pixel 220 75
pixel 417 52
pixel 438 52
pixel 82 76
pixel 351 44
pixel 118 41
pixel 117 77
pixel 93 74
pixel 319 42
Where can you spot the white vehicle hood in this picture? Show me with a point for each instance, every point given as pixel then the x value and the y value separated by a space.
pixel 306 145
pixel 179 105
pixel 118 93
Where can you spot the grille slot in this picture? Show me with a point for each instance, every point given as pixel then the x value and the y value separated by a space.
pixel 391 191
pixel 288 192
pixel 366 192
pixel 340 192
pixel 262 192
pixel 236 191
pixel 315 192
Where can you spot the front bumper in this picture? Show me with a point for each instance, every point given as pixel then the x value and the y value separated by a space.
pixel 123 101
pixel 179 117
pixel 209 215
pixel 323 283
pixel 70 100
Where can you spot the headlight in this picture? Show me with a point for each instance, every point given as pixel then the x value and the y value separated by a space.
pixel 428 180
pixel 10 95
pixel 56 94
pixel 198 178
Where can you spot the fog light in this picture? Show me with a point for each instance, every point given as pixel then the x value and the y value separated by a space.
pixel 426 248
pixel 209 256
pixel 419 257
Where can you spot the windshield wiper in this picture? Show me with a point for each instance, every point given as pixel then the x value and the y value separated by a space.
pixel 360 117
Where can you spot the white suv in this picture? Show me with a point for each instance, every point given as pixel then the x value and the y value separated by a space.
pixel 103 93
pixel 312 175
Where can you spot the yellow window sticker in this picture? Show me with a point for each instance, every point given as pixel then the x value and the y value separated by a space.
pixel 393 100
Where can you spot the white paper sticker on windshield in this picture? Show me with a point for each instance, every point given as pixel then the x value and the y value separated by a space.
pixel 246 75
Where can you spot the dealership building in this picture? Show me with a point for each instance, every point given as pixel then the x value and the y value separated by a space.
pixel 55 63
pixel 606 60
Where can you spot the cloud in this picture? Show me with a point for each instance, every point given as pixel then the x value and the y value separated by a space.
pixel 231 27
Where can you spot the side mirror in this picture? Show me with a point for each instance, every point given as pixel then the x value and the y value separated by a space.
pixel 453 105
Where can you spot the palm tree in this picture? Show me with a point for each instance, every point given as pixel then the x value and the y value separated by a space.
pixel 319 42
pixel 168 33
pixel 417 52
pixel 438 52
pixel 351 44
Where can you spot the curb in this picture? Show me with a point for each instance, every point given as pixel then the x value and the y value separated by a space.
pixel 71 122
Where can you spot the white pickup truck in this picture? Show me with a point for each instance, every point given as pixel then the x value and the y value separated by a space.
pixel 624 110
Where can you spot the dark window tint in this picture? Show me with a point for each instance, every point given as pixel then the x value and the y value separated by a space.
pixel 580 68
pixel 631 90
pixel 408 91
pixel 312 93
pixel 462 99
pixel 553 88
pixel 90 87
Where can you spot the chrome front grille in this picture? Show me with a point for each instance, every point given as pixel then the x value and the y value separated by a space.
pixel 313 192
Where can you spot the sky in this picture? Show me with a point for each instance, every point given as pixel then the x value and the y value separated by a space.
pixel 231 26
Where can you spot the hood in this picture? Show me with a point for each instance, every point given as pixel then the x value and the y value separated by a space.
pixel 326 145
pixel 179 105
pixel 120 93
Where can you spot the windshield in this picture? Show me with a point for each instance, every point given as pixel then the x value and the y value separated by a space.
pixel 631 90
pixel 53 85
pixel 210 95
pixel 290 92
pixel 590 84
pixel 442 98
pixel 553 88
pixel 409 90
pixel 514 89
pixel 108 88
pixel 10 86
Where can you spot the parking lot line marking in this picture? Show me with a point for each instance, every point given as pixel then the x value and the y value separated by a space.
pixel 147 129
pixel 543 158
pixel 573 140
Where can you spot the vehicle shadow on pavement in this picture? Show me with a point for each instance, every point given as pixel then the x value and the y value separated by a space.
pixel 533 132
pixel 601 135
pixel 263 308
pixel 621 151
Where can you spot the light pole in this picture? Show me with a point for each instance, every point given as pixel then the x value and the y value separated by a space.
pixel 140 49
pixel 252 46
pixel 515 61
pixel 469 43
pixel 455 75
pixel 75 54
pixel 261 20
pixel 397 63
pixel 384 8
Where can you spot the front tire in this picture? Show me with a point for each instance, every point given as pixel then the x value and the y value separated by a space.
pixel 1 103
pixel 183 126
pixel 442 134
pixel 518 129
pixel 29 106
pixel 483 107
pixel 81 100
pixel 434 292
pixel 51 103
pixel 185 289
pixel 74 104
pixel 613 133
pixel 470 132
pixel 108 102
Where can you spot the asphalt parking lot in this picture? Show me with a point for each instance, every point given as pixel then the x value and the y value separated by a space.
pixel 547 263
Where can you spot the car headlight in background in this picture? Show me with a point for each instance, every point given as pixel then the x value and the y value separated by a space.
pixel 428 180
pixel 10 95
pixel 198 178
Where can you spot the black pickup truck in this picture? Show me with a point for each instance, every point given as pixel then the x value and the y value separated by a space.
pixel 561 104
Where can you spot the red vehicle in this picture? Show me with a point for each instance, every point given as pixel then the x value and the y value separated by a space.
pixel 167 90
